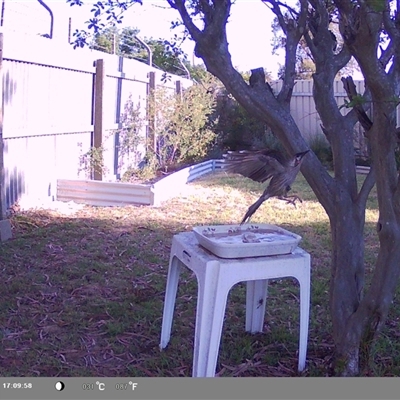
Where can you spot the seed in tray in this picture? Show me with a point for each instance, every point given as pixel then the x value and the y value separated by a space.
pixel 250 238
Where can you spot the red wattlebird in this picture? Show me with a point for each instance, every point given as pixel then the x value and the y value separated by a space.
pixel 262 165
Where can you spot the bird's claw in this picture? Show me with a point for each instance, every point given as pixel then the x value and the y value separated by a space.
pixel 291 200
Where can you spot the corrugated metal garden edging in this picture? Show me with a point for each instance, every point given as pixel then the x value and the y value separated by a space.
pixel 99 193
pixel 362 170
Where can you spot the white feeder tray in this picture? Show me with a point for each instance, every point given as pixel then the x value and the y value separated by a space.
pixel 247 240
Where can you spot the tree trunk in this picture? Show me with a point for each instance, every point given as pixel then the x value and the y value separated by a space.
pixel 362 326
pixel 359 332
pixel 347 282
pixel 356 319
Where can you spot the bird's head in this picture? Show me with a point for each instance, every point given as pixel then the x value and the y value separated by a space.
pixel 299 156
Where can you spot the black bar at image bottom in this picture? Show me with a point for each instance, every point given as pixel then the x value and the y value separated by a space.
pixel 198 388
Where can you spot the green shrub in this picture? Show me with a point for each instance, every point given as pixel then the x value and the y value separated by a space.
pixel 130 136
pixel 236 128
pixel 182 127
pixel 128 139
pixel 146 170
pixel 322 149
pixel 92 161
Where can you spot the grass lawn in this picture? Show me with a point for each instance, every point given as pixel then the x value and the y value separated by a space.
pixel 82 294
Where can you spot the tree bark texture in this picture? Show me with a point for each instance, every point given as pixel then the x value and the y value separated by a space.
pixel 356 317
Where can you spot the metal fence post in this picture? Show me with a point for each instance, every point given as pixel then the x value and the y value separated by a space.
pixel 178 87
pixel 5 226
pixel 98 129
pixel 151 133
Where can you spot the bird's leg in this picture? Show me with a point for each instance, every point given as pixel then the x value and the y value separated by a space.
pixel 290 199
pixel 293 198
pixel 245 220
pixel 253 208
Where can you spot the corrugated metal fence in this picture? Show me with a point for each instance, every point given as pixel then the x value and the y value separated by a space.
pixel 49 111
pixel 303 109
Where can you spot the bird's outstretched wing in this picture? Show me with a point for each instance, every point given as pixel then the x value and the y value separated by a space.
pixel 256 165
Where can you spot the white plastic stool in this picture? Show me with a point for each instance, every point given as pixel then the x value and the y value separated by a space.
pixel 215 277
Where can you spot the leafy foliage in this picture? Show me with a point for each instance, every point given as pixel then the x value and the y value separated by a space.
pixel 102 34
pixel 182 127
pixel 181 132
pixel 358 100
pixel 105 13
pixel 236 128
pixel 129 141
pixel 121 42
pixel 92 162
pixel 130 137
pixel 166 55
pixel 322 149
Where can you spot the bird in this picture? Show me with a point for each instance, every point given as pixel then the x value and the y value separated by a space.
pixel 261 165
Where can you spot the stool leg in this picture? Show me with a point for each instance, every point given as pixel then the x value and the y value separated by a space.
pixel 169 302
pixel 256 298
pixel 211 304
pixel 304 314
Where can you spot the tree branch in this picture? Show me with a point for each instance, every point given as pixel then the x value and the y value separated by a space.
pixel 344 6
pixel 323 40
pixel 352 115
pixel 277 11
pixel 366 188
pixel 337 128
pixel 205 8
pixel 350 88
pixel 342 58
pixel 320 7
pixel 392 50
pixel 290 9
pixel 310 43
pixel 294 30
pixel 394 73
pixel 390 25
pixel 218 16
pixel 387 54
pixel 179 5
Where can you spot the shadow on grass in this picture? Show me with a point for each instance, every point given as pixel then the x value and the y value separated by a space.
pixel 83 295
